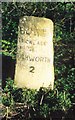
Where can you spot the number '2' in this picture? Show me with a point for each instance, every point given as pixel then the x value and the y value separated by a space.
pixel 32 68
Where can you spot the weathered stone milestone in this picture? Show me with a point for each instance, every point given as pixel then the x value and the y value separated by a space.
pixel 34 67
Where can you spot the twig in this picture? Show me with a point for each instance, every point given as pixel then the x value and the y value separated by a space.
pixel 41 99
pixel 34 11
pixel 7 112
pixel 11 11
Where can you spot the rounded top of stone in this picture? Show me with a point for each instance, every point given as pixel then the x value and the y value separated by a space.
pixel 34 17
pixel 41 22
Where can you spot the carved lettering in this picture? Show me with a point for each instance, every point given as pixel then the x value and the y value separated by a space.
pixel 36 59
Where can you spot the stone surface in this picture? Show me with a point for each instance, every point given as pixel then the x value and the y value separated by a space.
pixel 34 67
